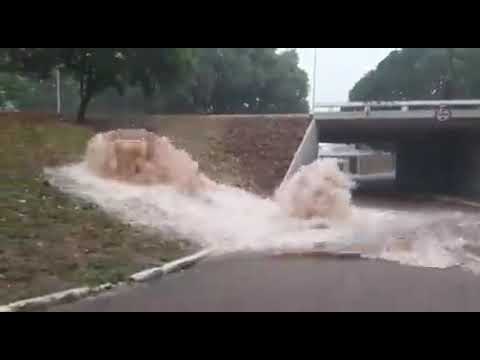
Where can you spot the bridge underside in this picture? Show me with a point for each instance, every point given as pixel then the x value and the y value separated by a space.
pixel 431 156
pixel 392 130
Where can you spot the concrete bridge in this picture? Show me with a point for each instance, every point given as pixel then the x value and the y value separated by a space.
pixel 436 142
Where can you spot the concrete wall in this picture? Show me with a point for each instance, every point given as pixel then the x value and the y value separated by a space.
pixel 307 152
pixel 447 165
pixel 443 163
pixel 376 164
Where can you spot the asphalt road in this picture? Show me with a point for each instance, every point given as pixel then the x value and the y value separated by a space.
pixel 308 283
pixel 297 284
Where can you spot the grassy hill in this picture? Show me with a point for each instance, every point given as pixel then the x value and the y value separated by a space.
pixel 51 242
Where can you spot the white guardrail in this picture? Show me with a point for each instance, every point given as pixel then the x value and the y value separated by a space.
pixel 442 110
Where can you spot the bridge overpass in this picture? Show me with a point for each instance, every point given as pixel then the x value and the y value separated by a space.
pixel 436 142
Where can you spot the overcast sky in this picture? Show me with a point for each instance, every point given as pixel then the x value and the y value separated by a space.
pixel 338 69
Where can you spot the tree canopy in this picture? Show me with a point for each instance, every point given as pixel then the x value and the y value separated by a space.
pixel 242 80
pixel 199 80
pixel 422 74
pixel 98 69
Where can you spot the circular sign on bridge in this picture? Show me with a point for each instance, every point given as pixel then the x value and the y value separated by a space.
pixel 443 113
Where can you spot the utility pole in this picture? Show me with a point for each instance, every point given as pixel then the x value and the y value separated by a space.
pixel 449 91
pixel 314 83
pixel 59 92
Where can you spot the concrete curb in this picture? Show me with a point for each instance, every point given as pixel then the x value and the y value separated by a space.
pixel 55 298
pixel 169 267
pixel 79 293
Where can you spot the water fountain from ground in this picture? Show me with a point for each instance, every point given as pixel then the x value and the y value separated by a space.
pixel 141 157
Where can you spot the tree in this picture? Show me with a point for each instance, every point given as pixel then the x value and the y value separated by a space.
pixel 97 69
pixel 159 69
pixel 12 90
pixel 243 80
pixel 205 80
pixel 285 86
pixel 422 73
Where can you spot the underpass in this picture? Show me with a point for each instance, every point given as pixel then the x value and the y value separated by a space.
pixel 435 143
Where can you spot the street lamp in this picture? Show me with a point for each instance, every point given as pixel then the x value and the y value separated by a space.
pixel 314 84
pixel 59 92
pixel 450 81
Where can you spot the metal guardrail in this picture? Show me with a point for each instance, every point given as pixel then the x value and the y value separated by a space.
pixel 442 110
pixel 393 105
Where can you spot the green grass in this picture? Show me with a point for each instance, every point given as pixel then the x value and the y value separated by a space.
pixel 49 241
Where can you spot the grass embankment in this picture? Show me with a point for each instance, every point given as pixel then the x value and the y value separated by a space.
pixel 50 241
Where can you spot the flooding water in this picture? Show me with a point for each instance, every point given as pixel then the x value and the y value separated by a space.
pixel 310 212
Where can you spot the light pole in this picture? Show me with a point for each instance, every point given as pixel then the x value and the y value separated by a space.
pixel 450 81
pixel 314 82
pixel 59 92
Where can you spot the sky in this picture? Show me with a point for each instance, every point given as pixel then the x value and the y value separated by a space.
pixel 338 69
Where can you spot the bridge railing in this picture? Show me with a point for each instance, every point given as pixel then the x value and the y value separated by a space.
pixel 397 109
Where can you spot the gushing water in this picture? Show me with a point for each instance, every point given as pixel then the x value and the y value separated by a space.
pixel 144 180
pixel 141 157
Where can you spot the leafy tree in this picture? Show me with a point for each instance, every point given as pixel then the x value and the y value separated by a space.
pixel 286 86
pixel 98 69
pixel 244 80
pixel 422 73
pixel 159 69
pixel 26 93
pixel 205 80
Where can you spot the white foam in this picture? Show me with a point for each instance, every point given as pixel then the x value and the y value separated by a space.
pixel 228 218
pixel 232 220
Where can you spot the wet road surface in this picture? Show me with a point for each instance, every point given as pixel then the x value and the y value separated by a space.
pixel 295 284
pixel 308 283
